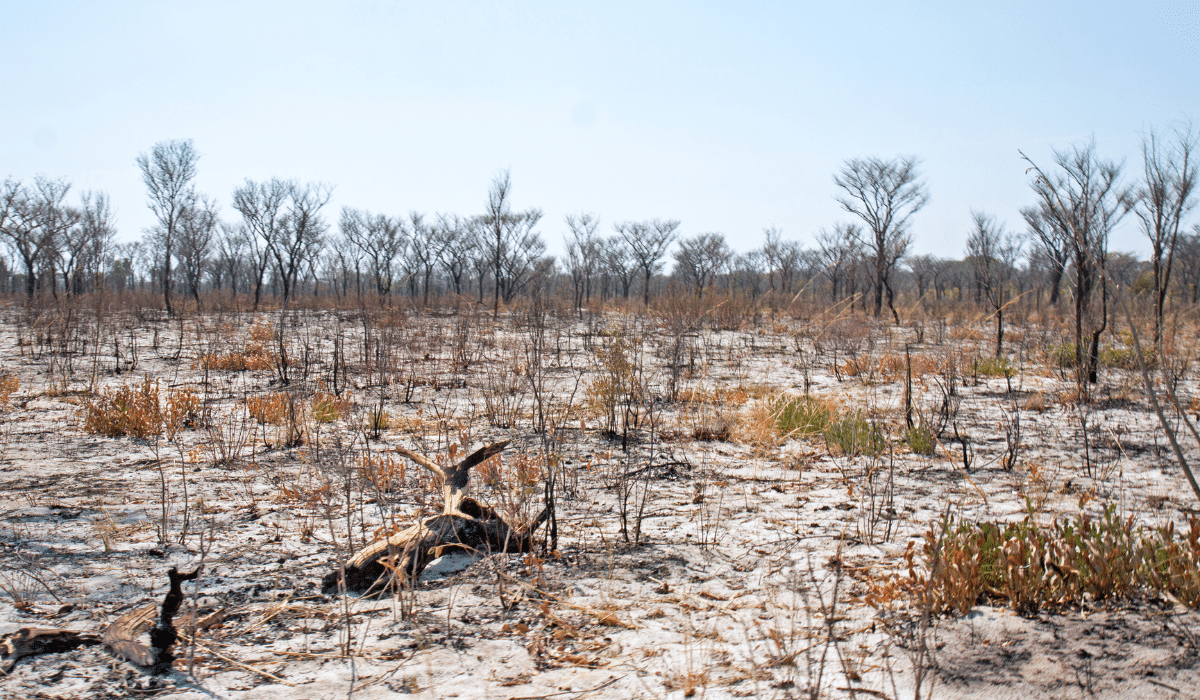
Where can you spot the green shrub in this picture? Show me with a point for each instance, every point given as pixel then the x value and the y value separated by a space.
pixel 1121 358
pixel 1061 355
pixel 994 367
pixel 922 439
pixel 855 435
pixel 801 416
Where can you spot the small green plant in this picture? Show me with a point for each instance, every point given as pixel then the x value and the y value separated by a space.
pixel 1120 358
pixel 1061 356
pixel 994 367
pixel 801 416
pixel 328 408
pixel 921 439
pixel 855 435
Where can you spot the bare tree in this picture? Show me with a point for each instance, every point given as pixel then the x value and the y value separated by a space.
pixel 193 247
pixel 648 242
pixel 700 258
pixel 1084 200
pixel 839 249
pixel 301 233
pixel 924 269
pixel 262 206
pixel 885 195
pixel 1187 255
pixel 382 240
pixel 746 272
pixel 1052 243
pixel 86 244
pixel 583 254
pixel 1163 201
pixel 511 244
pixel 782 258
pixel 992 254
pixel 425 250
pixel 619 263
pixel 230 260
pixel 35 220
pixel 168 171
pixel 459 246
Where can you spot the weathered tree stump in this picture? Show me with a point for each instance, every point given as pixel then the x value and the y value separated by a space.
pixel 464 524
pixel 121 636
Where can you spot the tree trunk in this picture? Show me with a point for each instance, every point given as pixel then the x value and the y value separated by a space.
pixel 463 525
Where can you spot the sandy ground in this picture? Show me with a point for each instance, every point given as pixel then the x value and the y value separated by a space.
pixel 754 552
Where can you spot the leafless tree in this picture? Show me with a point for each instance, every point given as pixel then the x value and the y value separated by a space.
pixel 425 250
pixel 459 245
pixel 884 194
pixel 648 242
pixel 35 220
pixel 924 268
pixel 839 249
pixel 1052 244
pixel 700 258
pixel 1084 199
pixel 194 244
pixel 583 254
pixel 992 253
pixel 229 261
pixel 381 239
pixel 262 206
pixel 1163 201
pixel 168 171
pixel 86 244
pixel 782 259
pixel 619 263
pixel 1187 255
pixel 300 239
pixel 511 244
pixel 746 272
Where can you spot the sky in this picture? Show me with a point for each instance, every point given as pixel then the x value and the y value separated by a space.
pixel 730 117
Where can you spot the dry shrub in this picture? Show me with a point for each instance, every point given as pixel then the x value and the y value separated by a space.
pixel 858 367
pixel 890 367
pixel 1040 402
pixel 8 386
pixel 183 411
pixel 262 332
pixel 254 356
pixel 1032 567
pixel 272 408
pixel 514 480
pixel 758 425
pixel 713 428
pixel 727 396
pixel 382 471
pixel 965 331
pixel 126 410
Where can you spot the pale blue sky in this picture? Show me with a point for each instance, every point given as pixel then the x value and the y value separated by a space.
pixel 727 116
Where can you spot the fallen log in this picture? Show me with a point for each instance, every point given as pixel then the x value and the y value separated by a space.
pixel 31 641
pixel 464 524
pixel 121 636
